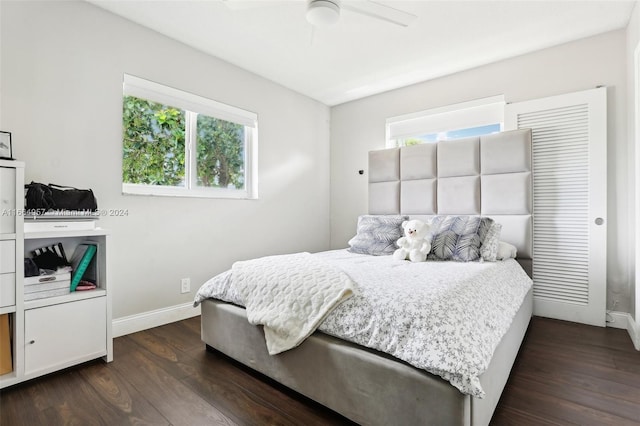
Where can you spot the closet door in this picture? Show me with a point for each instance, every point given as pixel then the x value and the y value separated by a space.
pixel 570 203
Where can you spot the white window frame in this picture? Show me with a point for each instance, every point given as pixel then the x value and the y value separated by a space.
pixel 464 115
pixel 194 105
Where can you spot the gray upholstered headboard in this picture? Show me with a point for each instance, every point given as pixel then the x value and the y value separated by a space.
pixel 488 175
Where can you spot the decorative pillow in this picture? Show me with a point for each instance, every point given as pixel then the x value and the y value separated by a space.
pixel 506 251
pixel 377 235
pixel 458 237
pixel 489 247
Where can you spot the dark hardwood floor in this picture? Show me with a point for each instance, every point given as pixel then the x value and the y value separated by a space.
pixel 565 374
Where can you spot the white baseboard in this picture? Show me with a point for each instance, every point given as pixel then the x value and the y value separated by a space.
pixel 150 319
pixel 625 321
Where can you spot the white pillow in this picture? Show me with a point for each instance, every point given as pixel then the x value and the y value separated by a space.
pixel 506 251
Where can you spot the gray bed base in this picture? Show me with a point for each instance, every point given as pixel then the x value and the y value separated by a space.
pixel 366 386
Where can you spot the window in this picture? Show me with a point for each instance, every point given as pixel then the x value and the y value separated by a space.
pixel 180 144
pixel 474 118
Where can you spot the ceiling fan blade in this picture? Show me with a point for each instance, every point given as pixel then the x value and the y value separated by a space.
pixel 380 11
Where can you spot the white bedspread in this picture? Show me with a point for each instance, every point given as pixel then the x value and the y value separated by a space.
pixel 444 317
pixel 290 295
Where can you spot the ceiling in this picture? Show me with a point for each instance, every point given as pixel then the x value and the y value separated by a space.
pixel 360 55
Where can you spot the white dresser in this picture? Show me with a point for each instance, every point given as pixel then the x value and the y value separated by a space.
pixel 56 332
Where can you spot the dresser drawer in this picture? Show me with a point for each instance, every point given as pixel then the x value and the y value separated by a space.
pixel 7 200
pixel 7 290
pixel 7 256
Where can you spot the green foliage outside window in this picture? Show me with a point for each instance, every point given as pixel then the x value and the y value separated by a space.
pixel 412 141
pixel 154 147
pixel 220 159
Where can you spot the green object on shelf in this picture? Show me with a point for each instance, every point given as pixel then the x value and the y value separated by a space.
pixel 84 253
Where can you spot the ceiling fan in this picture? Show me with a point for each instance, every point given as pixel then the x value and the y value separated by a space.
pixel 324 13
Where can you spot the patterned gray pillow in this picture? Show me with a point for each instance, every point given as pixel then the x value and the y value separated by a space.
pixel 377 235
pixel 458 237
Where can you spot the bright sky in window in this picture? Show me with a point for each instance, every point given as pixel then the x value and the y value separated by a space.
pixel 457 134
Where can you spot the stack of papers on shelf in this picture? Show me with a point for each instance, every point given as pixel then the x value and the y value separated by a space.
pixel 62 220
pixel 64 215
pixel 41 286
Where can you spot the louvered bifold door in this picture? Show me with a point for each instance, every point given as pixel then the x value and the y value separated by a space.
pixel 569 138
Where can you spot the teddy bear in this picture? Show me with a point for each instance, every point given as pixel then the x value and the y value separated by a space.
pixel 414 245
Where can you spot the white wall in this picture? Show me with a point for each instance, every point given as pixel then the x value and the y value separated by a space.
pixel 62 67
pixel 359 126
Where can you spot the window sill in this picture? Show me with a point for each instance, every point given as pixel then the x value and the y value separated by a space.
pixel 170 191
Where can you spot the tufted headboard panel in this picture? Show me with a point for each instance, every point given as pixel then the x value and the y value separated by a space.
pixel 489 175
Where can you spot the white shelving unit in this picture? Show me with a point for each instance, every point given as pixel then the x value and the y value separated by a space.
pixel 11 264
pixel 53 333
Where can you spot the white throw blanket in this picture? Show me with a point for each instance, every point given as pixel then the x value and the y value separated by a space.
pixel 290 295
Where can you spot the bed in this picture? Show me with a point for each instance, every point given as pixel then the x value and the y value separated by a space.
pixel 487 177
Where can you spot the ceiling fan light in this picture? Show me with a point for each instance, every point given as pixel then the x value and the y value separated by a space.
pixel 323 13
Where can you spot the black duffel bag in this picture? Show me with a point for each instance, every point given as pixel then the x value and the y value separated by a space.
pixel 41 198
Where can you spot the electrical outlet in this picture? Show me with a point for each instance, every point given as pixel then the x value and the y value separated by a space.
pixel 185 285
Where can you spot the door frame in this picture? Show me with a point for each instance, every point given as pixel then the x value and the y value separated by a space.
pixel 636 73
